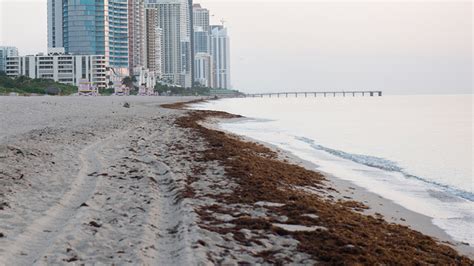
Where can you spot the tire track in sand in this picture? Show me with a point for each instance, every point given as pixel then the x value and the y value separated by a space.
pixel 28 247
pixel 174 219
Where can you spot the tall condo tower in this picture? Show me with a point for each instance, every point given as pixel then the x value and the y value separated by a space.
pixel 55 23
pixel 154 38
pixel 137 34
pixel 175 50
pixel 200 17
pixel 187 52
pixel 91 27
pixel 202 49
pixel 220 50
pixel 117 42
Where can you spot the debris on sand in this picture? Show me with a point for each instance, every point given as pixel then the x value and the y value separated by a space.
pixel 300 228
pixel 95 224
pixel 340 235
pixel 126 105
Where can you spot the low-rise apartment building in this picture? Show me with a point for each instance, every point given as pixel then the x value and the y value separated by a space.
pixel 60 67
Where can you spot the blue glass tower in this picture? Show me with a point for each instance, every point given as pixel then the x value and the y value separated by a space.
pixel 83 27
pixel 96 27
pixel 118 33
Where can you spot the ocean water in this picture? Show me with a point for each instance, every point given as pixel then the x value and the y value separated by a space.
pixel 415 150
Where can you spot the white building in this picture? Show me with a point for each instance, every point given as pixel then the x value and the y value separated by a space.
pixel 220 51
pixel 137 34
pixel 145 77
pixel 187 54
pixel 55 23
pixel 200 17
pixel 63 68
pixel 6 51
pixel 176 53
pixel 169 20
pixel 203 71
pixel 154 39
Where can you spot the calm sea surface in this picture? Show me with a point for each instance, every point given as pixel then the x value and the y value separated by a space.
pixel 414 150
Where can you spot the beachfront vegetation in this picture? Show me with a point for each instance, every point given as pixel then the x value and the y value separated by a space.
pixel 197 89
pixel 26 86
pixel 107 91
pixel 129 81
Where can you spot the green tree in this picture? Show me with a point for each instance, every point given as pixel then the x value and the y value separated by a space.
pixel 128 81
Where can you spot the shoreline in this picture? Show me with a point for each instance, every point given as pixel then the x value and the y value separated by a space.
pixel 391 211
pixel 148 185
pixel 194 121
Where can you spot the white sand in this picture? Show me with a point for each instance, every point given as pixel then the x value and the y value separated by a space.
pixel 87 181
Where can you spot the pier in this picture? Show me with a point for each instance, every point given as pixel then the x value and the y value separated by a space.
pixel 315 94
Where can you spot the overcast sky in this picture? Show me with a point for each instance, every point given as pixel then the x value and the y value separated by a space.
pixel 398 47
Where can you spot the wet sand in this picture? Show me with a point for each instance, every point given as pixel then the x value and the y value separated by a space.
pixel 86 180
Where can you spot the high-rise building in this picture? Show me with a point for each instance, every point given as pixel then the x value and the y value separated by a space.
pixel 63 68
pixel 91 27
pixel 201 40
pixel 202 57
pixel 6 51
pixel 200 17
pixel 137 34
pixel 187 52
pixel 174 19
pixel 154 38
pixel 55 23
pixel 203 71
pixel 118 33
pixel 202 49
pixel 220 50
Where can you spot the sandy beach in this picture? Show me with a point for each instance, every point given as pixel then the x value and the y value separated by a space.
pixel 87 180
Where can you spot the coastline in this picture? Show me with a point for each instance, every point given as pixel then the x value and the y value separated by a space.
pixel 292 181
pixel 391 211
pixel 148 185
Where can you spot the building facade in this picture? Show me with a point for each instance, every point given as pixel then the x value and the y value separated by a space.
pixel 154 38
pixel 63 68
pixel 91 27
pixel 201 40
pixel 55 23
pixel 220 51
pixel 202 49
pixel 137 34
pixel 201 17
pixel 203 71
pixel 118 33
pixel 187 52
pixel 169 17
pixel 6 51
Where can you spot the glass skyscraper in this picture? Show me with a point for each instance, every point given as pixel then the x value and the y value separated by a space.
pixel 201 40
pixel 118 33
pixel 90 27
pixel 84 27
